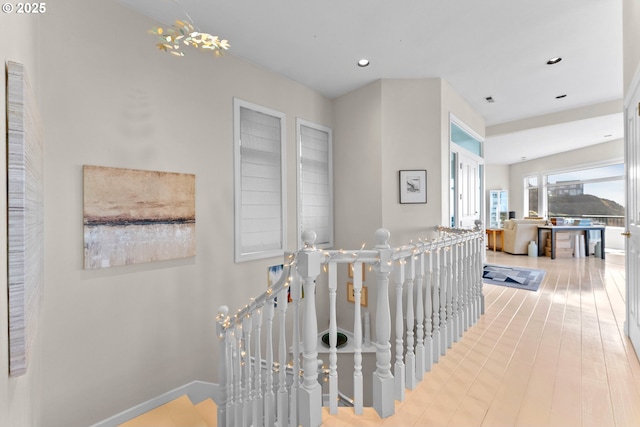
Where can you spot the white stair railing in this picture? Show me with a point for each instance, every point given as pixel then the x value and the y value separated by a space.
pixel 438 288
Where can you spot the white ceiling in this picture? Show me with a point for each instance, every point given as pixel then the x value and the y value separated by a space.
pixel 496 48
pixel 542 141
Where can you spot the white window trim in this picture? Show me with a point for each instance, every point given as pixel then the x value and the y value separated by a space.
pixel 582 166
pixel 585 167
pixel 239 255
pixel 525 195
pixel 301 122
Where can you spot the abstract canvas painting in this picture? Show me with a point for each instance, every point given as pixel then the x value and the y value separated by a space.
pixel 136 216
pixel 25 216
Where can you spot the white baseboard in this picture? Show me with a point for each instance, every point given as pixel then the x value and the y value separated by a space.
pixel 196 390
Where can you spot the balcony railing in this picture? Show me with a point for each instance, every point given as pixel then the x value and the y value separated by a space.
pixel 608 220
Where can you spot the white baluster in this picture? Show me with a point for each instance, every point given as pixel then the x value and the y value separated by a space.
pixel 224 366
pixel 480 283
pixel 246 358
pixel 269 396
pixel 399 368
pixel 410 358
pixel 333 339
pixel 258 401
pixel 428 312
pixel 465 281
pixel 467 286
pixel 231 343
pixel 296 291
pixel 420 355
pixel 435 285
pixel 444 281
pixel 282 412
pixel 475 306
pixel 383 381
pixel 477 288
pixel 462 277
pixel 450 295
pixel 239 398
pixel 455 294
pixel 358 395
pixel 310 402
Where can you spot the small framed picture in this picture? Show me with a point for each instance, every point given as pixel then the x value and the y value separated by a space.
pixel 413 186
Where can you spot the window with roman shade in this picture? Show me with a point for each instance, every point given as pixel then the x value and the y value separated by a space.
pixel 259 181
pixel 315 182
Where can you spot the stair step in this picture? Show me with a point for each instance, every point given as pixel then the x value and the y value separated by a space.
pixel 209 412
pixel 178 413
pixel 159 417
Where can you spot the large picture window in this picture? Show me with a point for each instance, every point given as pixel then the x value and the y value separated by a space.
pixel 315 182
pixel 596 193
pixel 259 179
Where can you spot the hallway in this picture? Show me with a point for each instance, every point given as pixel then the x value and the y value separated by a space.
pixel 556 357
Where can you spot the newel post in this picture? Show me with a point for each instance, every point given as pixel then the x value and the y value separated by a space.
pixel 310 394
pixel 383 380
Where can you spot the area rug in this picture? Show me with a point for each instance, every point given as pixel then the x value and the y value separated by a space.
pixel 513 277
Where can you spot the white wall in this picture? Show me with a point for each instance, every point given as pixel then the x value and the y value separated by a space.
pixel 357 153
pixel 612 150
pixel 497 177
pixel 20 396
pixel 410 140
pixel 382 128
pixel 631 40
pixel 115 337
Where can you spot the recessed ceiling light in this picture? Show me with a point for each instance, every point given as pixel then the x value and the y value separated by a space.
pixel 561 96
pixel 554 60
pixel 363 63
pixel 608 135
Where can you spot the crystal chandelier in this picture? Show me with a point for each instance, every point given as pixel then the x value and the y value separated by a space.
pixel 171 39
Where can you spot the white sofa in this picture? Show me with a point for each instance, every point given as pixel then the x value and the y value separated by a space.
pixel 518 233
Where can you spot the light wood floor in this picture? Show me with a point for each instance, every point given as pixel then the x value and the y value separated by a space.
pixel 556 357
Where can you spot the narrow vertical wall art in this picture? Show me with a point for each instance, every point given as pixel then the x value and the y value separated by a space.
pixel 25 216
pixel 135 216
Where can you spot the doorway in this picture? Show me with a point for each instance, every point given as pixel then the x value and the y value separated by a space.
pixel 632 162
pixel 469 185
pixel 466 201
